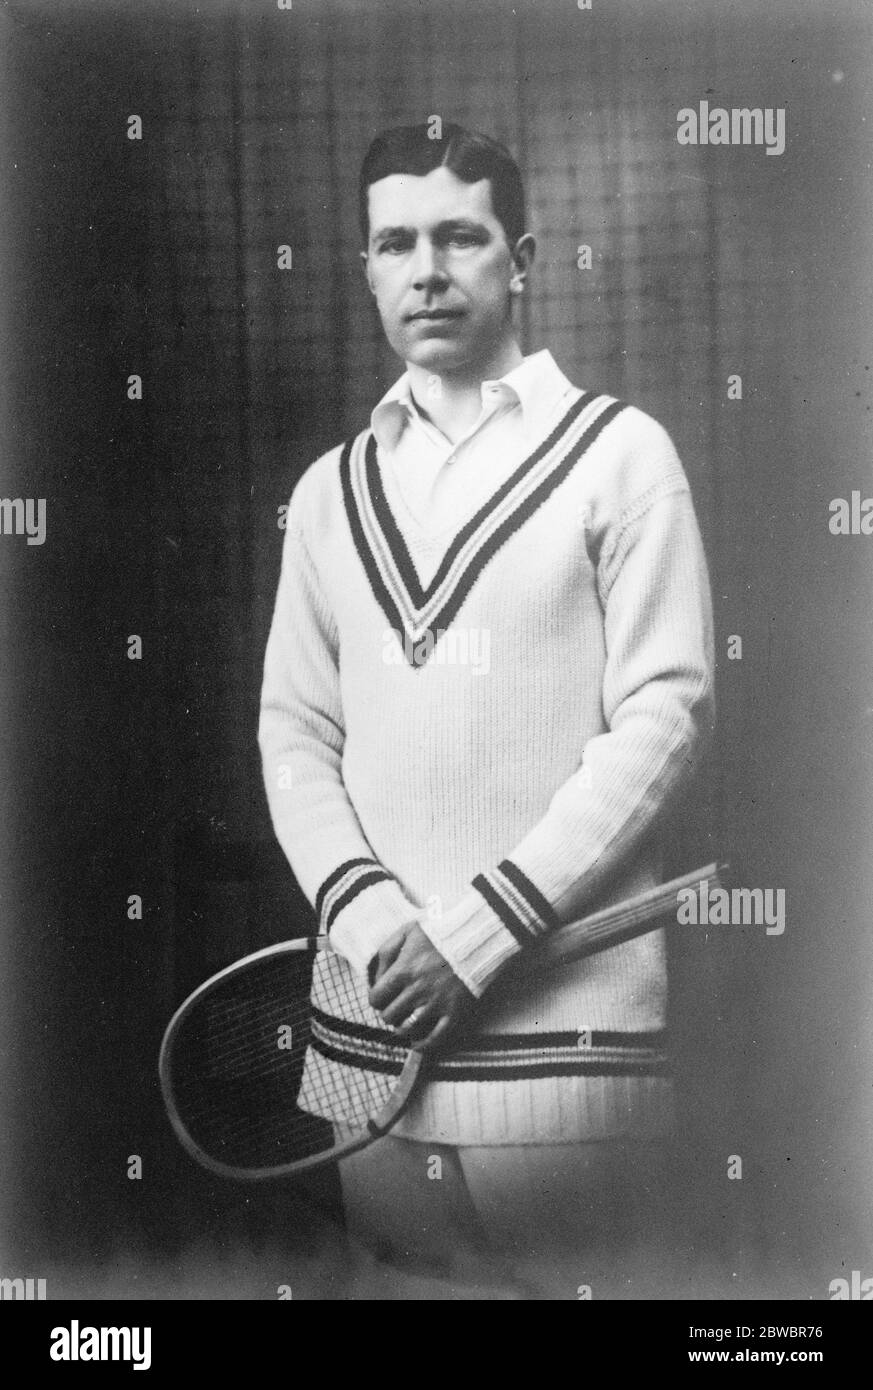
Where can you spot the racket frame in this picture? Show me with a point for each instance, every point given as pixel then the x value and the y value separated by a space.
pixel 377 1124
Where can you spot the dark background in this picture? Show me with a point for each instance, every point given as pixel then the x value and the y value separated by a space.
pixel 158 257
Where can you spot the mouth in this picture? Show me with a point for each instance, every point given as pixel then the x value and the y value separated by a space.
pixel 434 315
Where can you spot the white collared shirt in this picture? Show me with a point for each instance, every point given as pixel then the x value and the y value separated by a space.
pixel 441 482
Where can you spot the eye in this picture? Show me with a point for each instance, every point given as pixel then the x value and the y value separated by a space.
pixel 465 239
pixel 393 245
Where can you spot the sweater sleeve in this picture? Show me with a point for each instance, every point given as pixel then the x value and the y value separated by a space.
pixel 301 736
pixel 657 707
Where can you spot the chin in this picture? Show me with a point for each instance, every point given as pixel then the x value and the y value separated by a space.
pixel 434 356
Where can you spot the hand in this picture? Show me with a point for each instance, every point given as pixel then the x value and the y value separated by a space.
pixel 416 991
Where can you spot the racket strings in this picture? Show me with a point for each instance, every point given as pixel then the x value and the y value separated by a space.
pixel 247 1083
pixel 344 1091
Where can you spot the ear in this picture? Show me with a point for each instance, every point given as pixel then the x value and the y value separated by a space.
pixel 522 259
pixel 365 260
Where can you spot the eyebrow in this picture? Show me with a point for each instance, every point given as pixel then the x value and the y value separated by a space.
pixel 466 224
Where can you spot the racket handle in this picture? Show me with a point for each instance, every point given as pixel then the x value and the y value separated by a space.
pixel 621 921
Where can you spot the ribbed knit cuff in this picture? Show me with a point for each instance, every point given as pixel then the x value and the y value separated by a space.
pixel 360 905
pixel 501 914
pixel 473 940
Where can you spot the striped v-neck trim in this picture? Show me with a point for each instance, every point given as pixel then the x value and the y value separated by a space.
pixel 415 611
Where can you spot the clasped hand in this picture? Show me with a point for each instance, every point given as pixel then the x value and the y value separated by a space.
pixel 416 991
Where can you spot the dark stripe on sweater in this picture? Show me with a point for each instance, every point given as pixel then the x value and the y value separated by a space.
pixel 511 524
pixel 333 879
pixel 514 523
pixel 391 531
pixel 491 1042
pixel 531 894
pixel 508 917
pixel 531 1071
pixel 520 1071
pixel 365 881
pixel 365 555
pixel 350 1059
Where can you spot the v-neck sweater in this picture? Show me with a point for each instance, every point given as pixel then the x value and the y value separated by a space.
pixel 493 801
pixel 440 481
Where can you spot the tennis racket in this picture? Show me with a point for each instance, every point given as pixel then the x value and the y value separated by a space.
pixel 245 1064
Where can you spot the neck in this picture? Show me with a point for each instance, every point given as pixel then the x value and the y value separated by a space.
pixel 457 404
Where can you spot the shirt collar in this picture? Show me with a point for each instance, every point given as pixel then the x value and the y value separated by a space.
pixel 536 384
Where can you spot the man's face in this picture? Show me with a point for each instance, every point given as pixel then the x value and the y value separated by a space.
pixel 440 267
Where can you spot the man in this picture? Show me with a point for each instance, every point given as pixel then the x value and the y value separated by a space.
pixel 442 810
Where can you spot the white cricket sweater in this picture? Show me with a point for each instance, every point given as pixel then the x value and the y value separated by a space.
pixel 491 800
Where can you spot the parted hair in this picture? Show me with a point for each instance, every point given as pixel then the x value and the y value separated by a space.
pixel 471 156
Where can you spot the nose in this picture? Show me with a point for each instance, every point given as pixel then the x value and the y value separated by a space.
pixel 428 272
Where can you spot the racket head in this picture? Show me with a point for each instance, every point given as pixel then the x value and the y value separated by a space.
pixel 232 1065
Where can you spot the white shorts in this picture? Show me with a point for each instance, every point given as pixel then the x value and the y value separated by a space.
pixel 598 1213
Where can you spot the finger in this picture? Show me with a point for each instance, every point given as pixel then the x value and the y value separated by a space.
pixel 402 1006
pixel 420 1023
pixel 386 955
pixel 387 988
pixel 391 983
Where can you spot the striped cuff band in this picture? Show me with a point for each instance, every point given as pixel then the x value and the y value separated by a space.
pixel 344 885
pixel 501 914
pixel 518 903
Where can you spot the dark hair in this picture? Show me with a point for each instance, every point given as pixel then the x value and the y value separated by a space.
pixel 410 149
